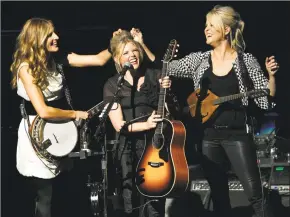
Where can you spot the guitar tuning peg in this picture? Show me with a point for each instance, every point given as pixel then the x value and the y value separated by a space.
pixel 175 55
pixel 177 45
pixel 176 50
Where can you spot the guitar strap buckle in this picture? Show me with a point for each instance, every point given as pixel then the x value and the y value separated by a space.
pixel 220 127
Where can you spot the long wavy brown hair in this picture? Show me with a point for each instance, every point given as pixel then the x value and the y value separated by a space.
pixel 31 48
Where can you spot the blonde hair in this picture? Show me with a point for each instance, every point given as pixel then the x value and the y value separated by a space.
pixel 118 43
pixel 227 16
pixel 31 48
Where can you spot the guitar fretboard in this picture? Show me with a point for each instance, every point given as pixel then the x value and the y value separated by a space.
pixel 162 93
pixel 92 111
pixel 252 93
pixel 161 99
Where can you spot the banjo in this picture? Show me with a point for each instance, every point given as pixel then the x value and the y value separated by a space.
pixel 54 139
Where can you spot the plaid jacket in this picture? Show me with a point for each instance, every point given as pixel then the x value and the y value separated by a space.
pixel 195 64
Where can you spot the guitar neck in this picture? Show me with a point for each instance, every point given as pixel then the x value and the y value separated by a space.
pixel 229 98
pixel 95 109
pixel 253 93
pixel 171 50
pixel 161 99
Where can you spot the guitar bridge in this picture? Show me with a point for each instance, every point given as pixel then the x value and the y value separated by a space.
pixel 155 165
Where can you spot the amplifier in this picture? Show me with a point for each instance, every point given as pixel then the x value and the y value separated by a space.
pixel 268 162
pixel 237 196
pixel 278 196
pixel 282 189
pixel 202 185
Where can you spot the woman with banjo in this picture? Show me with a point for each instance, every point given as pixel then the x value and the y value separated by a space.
pixel 40 83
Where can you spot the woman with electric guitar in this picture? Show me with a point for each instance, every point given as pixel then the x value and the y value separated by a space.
pixel 47 132
pixel 226 77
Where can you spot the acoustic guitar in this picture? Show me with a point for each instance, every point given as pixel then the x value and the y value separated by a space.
pixel 162 170
pixel 204 105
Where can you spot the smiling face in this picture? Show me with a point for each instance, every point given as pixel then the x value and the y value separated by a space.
pixel 51 43
pixel 213 30
pixel 131 54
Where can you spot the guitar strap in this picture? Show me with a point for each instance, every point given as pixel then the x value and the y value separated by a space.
pixel 24 113
pixel 68 97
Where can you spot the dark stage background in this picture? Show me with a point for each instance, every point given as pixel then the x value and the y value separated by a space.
pixel 86 27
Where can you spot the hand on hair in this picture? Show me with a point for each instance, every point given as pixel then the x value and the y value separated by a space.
pixel 165 82
pixel 137 35
pixel 117 32
pixel 271 65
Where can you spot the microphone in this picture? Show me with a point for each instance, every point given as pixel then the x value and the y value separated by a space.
pixel 126 66
pixel 84 138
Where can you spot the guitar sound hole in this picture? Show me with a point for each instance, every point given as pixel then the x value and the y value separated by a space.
pixel 163 154
pixel 158 141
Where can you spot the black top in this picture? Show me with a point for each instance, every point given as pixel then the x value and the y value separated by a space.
pixel 230 115
pixel 135 103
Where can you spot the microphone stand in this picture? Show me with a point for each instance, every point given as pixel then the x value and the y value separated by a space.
pixel 100 133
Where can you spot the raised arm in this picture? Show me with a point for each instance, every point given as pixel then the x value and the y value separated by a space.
pixel 99 59
pixel 138 36
pixel 272 67
pixel 186 66
pixel 260 81
pixel 36 97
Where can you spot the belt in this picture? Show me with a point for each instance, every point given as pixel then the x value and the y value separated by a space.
pixel 223 127
pixel 219 127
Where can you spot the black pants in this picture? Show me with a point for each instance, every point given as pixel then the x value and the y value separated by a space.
pixel 240 152
pixel 42 189
pixel 52 197
pixel 129 154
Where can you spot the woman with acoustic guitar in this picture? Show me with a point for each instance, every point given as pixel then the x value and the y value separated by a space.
pixel 38 77
pixel 226 70
pixel 137 97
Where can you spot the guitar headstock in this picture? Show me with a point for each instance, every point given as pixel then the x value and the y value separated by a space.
pixel 171 51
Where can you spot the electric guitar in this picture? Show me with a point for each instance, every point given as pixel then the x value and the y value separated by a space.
pixel 163 170
pixel 204 105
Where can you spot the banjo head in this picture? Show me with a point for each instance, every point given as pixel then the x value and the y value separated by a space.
pixel 63 136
